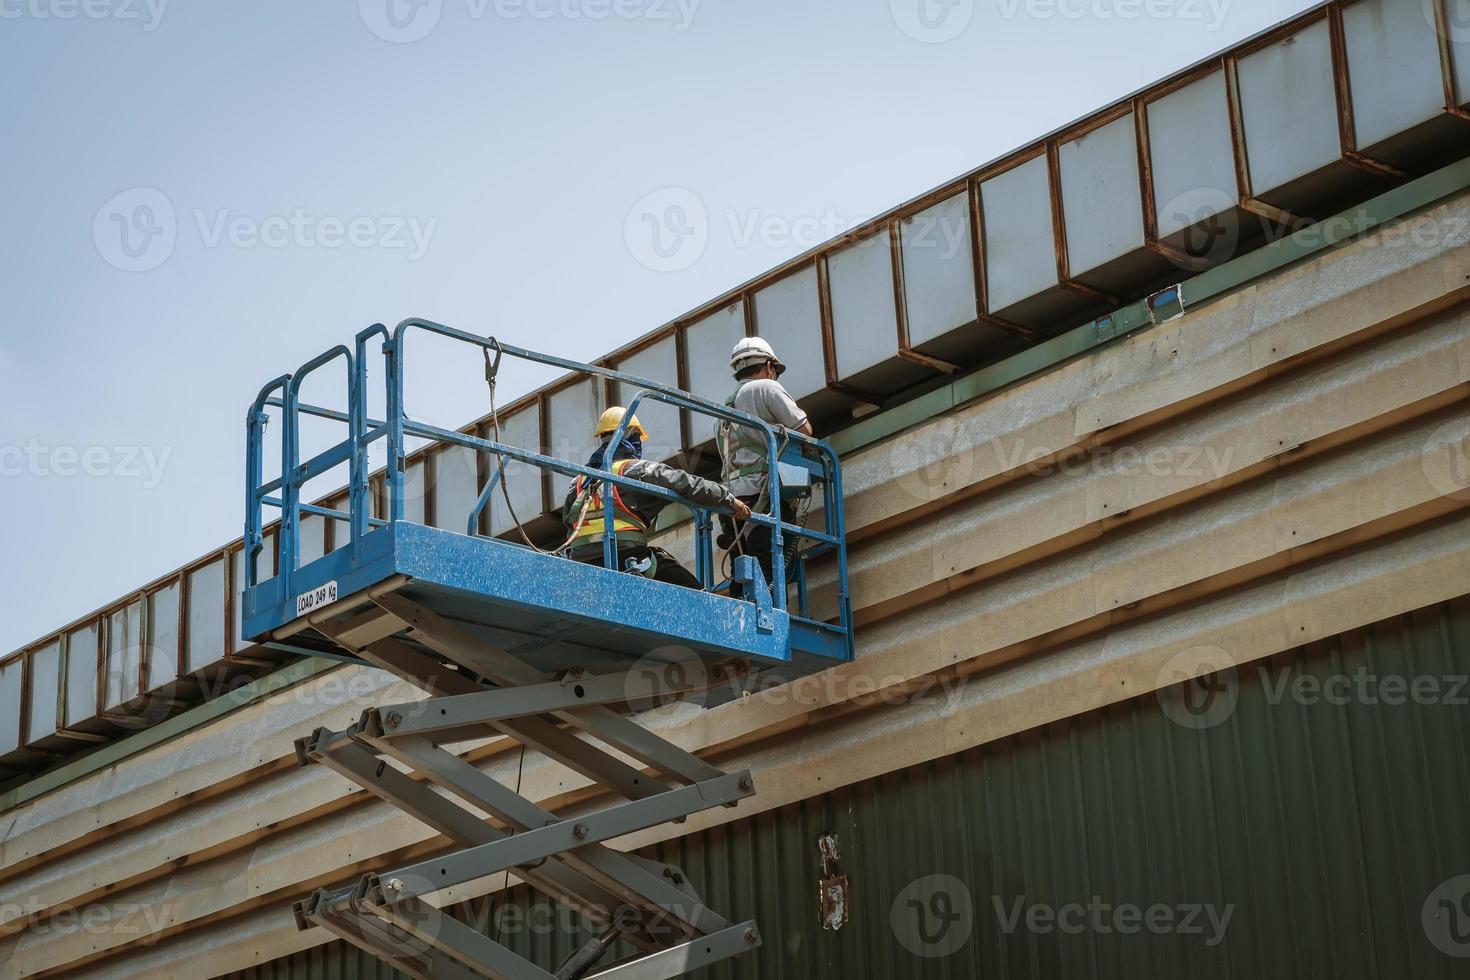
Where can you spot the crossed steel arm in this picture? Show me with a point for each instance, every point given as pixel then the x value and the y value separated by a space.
pixel 477 690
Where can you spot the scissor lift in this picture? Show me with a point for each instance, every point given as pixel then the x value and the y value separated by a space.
pixel 510 641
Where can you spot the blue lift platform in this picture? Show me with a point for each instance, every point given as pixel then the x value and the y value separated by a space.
pixel 508 640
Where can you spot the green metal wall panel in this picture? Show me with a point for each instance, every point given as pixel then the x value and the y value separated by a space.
pixel 1320 797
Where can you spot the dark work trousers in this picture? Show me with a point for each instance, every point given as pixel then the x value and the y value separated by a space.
pixel 669 570
pixel 757 540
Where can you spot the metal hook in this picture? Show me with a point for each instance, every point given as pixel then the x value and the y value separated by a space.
pixel 492 369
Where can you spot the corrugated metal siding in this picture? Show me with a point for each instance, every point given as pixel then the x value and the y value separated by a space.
pixel 335 961
pixel 1325 825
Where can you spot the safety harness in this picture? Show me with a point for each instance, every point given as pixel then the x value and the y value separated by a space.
pixel 730 438
pixel 592 524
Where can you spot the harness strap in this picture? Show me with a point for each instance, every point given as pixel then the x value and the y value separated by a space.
pixel 593 525
pixel 732 438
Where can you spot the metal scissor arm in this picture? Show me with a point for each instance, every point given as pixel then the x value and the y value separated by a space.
pixel 478 689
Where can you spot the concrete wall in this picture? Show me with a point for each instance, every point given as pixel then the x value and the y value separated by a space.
pixel 1277 467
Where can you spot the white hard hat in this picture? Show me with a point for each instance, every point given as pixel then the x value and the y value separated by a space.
pixel 752 351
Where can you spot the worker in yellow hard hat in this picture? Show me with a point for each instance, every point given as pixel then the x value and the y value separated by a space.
pixel 634 512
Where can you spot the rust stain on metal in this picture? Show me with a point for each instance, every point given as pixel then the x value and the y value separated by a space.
pixel 832 888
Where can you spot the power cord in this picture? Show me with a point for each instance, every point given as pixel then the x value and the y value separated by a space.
pixel 584 499
pixel 505 881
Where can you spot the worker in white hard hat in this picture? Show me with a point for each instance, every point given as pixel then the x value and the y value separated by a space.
pixel 634 512
pixel 744 454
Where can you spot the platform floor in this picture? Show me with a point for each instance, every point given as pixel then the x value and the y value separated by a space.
pixel 551 612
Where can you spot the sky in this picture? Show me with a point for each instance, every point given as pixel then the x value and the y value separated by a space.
pixel 198 197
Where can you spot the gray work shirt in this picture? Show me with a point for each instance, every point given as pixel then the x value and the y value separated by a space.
pixel 767 400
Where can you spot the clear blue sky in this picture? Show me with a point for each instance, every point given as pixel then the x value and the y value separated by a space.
pixel 490 165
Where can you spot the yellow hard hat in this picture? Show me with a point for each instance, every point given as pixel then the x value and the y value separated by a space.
pixel 611 418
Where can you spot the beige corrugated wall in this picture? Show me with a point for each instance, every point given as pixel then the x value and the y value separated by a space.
pixel 1278 466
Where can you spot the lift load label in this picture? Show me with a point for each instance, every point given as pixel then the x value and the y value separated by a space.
pixel 320 596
